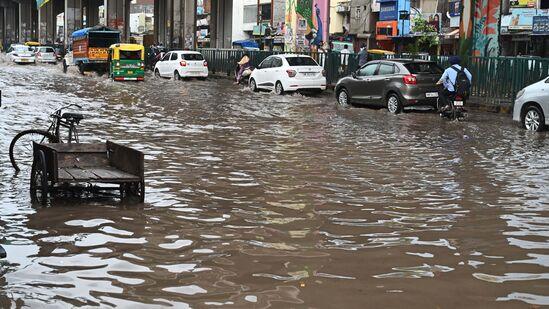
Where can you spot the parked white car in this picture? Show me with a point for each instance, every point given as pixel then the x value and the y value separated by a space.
pixel 532 106
pixel 20 54
pixel 45 54
pixel 288 72
pixel 180 64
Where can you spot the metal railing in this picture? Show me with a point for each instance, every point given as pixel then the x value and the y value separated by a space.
pixel 496 80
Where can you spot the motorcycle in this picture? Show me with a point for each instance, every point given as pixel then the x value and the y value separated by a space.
pixel 455 110
pixel 245 75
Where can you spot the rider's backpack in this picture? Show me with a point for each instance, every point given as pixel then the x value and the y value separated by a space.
pixel 462 86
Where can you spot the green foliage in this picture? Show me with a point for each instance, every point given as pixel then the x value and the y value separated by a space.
pixel 427 36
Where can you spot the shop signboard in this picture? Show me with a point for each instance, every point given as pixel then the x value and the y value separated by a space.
pixel 540 25
pixel 454 8
pixel 520 19
pixel 523 3
pixel 388 10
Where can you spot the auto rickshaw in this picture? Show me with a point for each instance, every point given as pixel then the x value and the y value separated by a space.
pixel 376 54
pixel 32 44
pixel 126 62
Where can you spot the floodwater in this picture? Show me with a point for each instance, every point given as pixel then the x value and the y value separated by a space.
pixel 257 201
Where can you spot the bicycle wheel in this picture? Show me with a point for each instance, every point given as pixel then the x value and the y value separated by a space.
pixel 21 147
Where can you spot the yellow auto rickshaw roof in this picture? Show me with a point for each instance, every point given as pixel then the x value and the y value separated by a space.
pixel 126 46
pixel 32 43
pixel 380 52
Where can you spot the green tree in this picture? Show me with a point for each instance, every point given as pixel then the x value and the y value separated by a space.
pixel 426 35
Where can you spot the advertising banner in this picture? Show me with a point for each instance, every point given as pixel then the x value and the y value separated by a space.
pixel 523 3
pixel 388 10
pixel 455 8
pixel 540 25
pixel 520 19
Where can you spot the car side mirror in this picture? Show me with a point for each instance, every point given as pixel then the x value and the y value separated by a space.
pixel 354 75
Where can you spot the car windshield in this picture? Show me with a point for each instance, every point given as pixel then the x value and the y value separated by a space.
pixel 301 61
pixel 192 57
pixel 423 67
pixel 130 55
pixel 46 50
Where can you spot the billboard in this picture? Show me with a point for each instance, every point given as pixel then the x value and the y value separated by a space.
pixel 540 25
pixel 522 3
pixel 306 24
pixel 388 10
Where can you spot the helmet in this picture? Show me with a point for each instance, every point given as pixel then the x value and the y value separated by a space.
pixel 455 60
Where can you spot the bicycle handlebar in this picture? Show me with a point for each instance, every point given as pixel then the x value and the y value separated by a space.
pixel 58 112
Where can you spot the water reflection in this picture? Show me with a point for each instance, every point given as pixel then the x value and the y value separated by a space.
pixel 255 200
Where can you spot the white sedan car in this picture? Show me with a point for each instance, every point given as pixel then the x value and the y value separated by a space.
pixel 20 54
pixel 288 72
pixel 532 106
pixel 45 54
pixel 179 64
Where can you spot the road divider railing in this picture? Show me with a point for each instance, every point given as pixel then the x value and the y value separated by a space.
pixel 496 80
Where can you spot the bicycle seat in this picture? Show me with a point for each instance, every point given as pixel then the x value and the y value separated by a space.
pixel 72 116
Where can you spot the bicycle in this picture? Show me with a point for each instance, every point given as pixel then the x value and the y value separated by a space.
pixel 21 153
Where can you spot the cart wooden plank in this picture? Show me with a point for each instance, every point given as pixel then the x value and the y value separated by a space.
pixel 112 174
pixel 81 174
pixel 95 174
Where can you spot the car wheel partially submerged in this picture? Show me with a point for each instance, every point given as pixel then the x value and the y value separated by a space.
pixel 156 73
pixel 533 119
pixel 343 98
pixel 393 104
pixel 253 85
pixel 279 89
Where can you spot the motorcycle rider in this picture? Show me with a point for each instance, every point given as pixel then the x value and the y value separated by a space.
pixel 449 80
pixel 243 64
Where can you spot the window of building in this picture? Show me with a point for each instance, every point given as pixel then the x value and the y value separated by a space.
pixel 250 14
pixel 265 12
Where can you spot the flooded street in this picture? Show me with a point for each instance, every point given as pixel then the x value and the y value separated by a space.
pixel 257 201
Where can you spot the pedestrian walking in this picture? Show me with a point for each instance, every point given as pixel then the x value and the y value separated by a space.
pixel 362 55
pixel 344 54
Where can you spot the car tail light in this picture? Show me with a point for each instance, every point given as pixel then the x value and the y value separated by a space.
pixel 324 73
pixel 142 65
pixel 183 63
pixel 205 63
pixel 458 98
pixel 291 73
pixel 410 79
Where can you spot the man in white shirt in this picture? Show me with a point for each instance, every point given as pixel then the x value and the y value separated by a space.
pixel 344 57
pixel 449 77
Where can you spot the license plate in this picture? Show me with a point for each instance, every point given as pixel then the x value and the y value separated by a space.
pixel 130 72
pixel 24 60
pixel 458 103
pixel 431 95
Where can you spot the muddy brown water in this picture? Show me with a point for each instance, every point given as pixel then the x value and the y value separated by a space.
pixel 257 200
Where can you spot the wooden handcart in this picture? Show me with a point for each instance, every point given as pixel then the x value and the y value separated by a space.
pixel 62 165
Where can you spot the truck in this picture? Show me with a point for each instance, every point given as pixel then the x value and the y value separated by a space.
pixel 89 49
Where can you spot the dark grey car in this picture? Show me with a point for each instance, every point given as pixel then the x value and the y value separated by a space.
pixel 394 84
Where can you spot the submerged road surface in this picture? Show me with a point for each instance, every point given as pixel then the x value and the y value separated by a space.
pixel 258 200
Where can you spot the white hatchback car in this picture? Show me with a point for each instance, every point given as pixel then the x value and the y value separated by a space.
pixel 288 72
pixel 179 64
pixel 20 54
pixel 532 106
pixel 45 54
